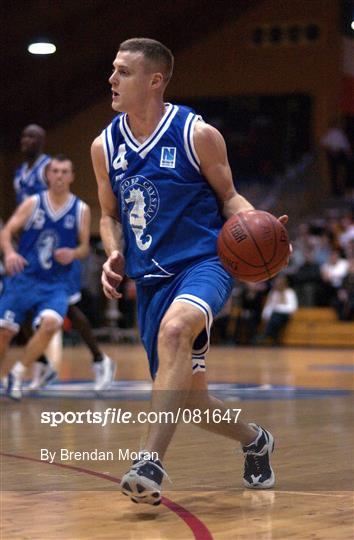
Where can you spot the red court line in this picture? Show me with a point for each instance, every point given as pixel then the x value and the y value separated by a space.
pixel 199 530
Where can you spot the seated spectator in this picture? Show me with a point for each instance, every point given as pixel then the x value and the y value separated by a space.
pixel 323 249
pixel 338 150
pixel 347 232
pixel 303 241
pixel 280 304
pixel 349 249
pixel 344 302
pixel 251 302
pixel 307 281
pixel 333 272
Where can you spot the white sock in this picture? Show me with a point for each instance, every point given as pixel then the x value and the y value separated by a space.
pixel 19 369
pixel 256 439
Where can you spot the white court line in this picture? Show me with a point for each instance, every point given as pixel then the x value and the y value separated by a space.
pixel 311 493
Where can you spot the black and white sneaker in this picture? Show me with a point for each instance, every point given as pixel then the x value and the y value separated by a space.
pixel 142 483
pixel 258 472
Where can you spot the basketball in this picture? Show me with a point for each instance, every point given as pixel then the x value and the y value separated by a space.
pixel 253 246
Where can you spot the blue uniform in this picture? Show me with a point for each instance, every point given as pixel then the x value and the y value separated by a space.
pixel 43 285
pixel 31 181
pixel 171 220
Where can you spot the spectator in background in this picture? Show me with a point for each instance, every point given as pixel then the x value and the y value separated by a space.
pixel 349 249
pixel 333 272
pixel 251 303
pixel 347 232
pixel 303 242
pixel 307 280
pixel 338 151
pixel 280 304
pixel 323 249
pixel 344 302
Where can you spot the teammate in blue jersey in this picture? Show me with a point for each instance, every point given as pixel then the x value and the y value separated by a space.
pixel 30 179
pixel 55 229
pixel 165 188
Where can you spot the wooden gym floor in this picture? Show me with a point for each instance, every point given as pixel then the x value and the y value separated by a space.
pixel 303 395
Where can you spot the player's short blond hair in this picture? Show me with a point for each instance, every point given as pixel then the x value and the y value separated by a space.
pixel 154 51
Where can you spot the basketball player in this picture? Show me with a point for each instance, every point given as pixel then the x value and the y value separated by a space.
pixel 55 229
pixel 30 179
pixel 170 174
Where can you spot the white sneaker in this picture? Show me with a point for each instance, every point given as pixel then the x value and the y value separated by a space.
pixel 14 382
pixel 142 483
pixel 43 374
pixel 104 373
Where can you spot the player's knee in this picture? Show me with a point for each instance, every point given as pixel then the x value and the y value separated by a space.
pixel 174 332
pixel 49 325
pixel 5 337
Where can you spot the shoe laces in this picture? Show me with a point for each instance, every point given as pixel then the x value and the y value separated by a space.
pixel 143 462
pixel 256 461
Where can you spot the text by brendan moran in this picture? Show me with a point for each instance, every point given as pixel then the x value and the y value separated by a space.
pixel 64 454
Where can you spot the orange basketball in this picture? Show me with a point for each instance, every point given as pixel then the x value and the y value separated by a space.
pixel 253 246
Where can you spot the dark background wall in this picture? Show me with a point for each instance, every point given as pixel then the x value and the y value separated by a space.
pixel 226 62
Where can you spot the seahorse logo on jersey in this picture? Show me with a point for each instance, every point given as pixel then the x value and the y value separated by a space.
pixel 47 242
pixel 140 200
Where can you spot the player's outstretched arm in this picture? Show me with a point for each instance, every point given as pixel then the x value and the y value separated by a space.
pixel 110 226
pixel 14 262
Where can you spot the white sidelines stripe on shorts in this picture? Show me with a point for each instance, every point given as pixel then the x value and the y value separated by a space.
pixel 50 313
pixel 75 298
pixel 10 325
pixel 198 355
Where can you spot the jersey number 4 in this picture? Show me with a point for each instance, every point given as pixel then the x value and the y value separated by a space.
pixel 120 162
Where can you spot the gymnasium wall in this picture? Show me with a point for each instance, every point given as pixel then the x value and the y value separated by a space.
pixel 224 63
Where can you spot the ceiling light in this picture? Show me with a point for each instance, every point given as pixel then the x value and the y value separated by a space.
pixel 42 48
pixel 352 25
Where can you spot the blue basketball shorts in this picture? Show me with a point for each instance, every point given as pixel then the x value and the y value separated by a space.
pixel 205 285
pixel 74 280
pixel 23 294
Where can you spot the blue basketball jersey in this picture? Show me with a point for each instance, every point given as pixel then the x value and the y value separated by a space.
pixel 31 181
pixel 46 231
pixel 168 211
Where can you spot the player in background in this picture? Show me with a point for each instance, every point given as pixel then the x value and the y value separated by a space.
pixel 170 174
pixel 30 178
pixel 55 231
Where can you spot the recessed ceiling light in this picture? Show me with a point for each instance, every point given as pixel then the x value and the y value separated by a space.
pixel 42 48
pixel 352 25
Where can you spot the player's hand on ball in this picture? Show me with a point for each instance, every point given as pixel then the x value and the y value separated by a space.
pixel 64 256
pixel 112 275
pixel 283 219
pixel 14 263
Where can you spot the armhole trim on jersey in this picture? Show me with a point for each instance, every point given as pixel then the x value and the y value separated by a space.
pixel 42 171
pixel 188 133
pixel 107 142
pixel 34 211
pixel 80 214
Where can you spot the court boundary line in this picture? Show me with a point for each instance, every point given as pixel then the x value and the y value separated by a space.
pixel 198 528
pixel 312 493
